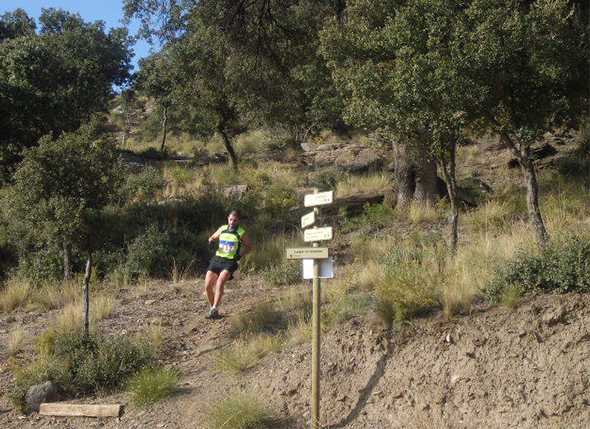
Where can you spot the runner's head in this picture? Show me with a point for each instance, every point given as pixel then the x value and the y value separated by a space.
pixel 233 219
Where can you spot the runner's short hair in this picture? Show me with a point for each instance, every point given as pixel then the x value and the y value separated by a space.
pixel 235 213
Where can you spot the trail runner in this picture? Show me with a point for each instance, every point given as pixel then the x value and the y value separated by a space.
pixel 233 245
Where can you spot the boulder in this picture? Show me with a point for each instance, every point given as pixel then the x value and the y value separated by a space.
pixel 349 158
pixel 39 393
pixel 235 192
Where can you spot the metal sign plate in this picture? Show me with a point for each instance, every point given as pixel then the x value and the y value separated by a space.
pixel 318 234
pixel 326 269
pixel 319 199
pixel 308 220
pixel 308 253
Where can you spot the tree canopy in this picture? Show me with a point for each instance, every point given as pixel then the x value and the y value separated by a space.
pixel 54 80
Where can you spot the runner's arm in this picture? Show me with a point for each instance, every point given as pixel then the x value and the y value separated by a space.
pixel 215 235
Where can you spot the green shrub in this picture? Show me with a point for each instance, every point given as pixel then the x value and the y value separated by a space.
pixel 143 185
pixel 374 216
pixel 284 273
pixel 563 266
pixel 80 364
pixel 347 307
pixel 241 411
pixel 326 179
pixel 151 385
pixel 148 254
pixel 411 284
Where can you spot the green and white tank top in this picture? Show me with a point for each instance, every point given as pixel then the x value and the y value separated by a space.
pixel 229 242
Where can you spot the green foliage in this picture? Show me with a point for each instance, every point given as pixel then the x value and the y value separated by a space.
pixel 144 185
pixel 326 179
pixel 148 254
pixel 59 191
pixel 410 285
pixel 374 216
pixel 79 365
pixel 562 267
pixel 151 385
pixel 346 307
pixel 16 24
pixel 54 80
pixel 283 273
pixel 241 411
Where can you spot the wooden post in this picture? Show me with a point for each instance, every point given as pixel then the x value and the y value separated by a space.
pixel 315 345
pixel 86 301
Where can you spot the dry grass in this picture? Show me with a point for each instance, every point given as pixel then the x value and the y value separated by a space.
pixel 180 274
pixel 16 341
pixel 367 277
pixel 353 185
pixel 181 181
pixel 15 294
pixel 424 213
pixel 246 353
pixel 155 335
pixel 71 318
pixel 371 248
pixel 54 295
pixel 240 411
pixel 470 271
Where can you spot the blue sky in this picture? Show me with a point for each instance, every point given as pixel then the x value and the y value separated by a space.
pixel 109 11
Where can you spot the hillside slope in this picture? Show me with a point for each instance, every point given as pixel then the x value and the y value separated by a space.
pixel 495 368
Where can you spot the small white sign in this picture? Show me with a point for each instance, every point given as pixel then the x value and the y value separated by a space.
pixel 319 199
pixel 326 269
pixel 307 252
pixel 318 234
pixel 308 220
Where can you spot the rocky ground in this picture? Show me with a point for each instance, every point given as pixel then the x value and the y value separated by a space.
pixel 495 368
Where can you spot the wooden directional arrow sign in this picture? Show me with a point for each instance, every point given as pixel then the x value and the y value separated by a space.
pixel 318 234
pixel 308 220
pixel 308 253
pixel 319 199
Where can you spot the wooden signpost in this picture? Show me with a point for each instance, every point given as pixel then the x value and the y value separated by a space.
pixel 315 253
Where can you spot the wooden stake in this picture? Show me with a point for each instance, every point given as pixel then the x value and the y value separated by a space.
pixel 86 301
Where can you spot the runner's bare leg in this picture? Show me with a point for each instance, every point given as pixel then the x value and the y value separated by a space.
pixel 223 277
pixel 210 280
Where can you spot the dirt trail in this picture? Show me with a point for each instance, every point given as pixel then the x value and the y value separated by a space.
pixel 497 368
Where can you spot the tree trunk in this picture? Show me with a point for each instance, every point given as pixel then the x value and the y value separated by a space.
pixel 86 297
pixel 532 199
pixel 449 170
pixel 404 175
pixel 228 147
pixel 425 180
pixel 165 128
pixel 67 253
pixel 522 153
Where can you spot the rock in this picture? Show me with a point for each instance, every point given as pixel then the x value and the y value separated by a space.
pixel 39 393
pixel 359 162
pixel 149 301
pixel 235 191
pixel 307 147
pixel 554 316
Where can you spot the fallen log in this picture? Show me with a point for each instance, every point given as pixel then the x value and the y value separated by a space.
pixel 80 410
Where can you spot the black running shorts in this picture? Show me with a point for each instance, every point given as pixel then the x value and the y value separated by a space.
pixel 219 264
